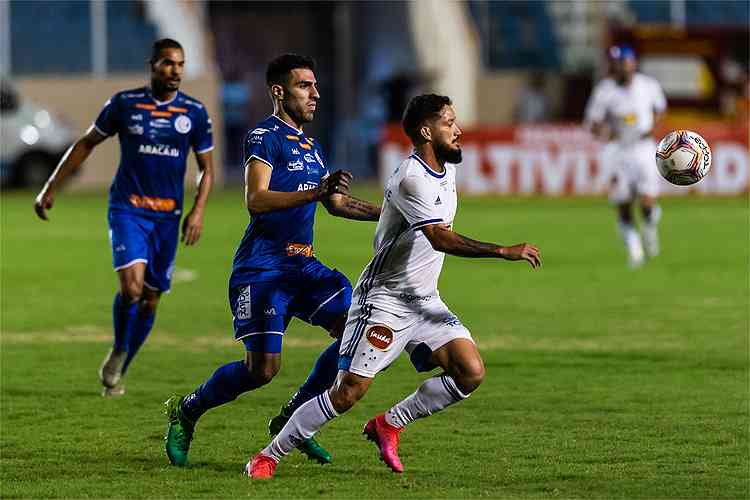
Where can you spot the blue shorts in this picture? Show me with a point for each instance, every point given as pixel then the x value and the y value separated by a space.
pixel 139 239
pixel 264 303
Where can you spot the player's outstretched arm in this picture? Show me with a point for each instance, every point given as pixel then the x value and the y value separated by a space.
pixel 444 239
pixel 349 207
pixel 192 224
pixel 260 199
pixel 70 162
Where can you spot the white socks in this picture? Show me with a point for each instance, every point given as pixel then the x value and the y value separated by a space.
pixel 632 243
pixel 650 232
pixel 433 395
pixel 304 423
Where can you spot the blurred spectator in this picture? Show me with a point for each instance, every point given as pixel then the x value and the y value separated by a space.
pixel 235 96
pixel 533 105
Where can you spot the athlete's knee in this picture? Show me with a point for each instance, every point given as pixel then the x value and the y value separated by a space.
pixel 131 290
pixel 337 328
pixel 470 376
pixel 624 213
pixel 149 302
pixel 262 373
pixel 347 391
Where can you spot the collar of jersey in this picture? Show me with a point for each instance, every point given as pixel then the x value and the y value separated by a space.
pixel 428 168
pixel 296 130
pixel 157 101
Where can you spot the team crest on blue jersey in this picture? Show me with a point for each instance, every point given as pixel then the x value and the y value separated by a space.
pixel 183 124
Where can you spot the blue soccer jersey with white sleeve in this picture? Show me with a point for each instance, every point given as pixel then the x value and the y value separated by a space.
pixel 155 140
pixel 281 239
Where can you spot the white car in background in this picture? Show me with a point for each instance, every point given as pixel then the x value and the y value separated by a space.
pixel 33 140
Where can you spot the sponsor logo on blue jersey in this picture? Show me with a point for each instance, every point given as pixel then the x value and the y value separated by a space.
pixel 159 150
pixel 295 165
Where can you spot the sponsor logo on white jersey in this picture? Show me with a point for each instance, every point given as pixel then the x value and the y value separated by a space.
pixel 183 124
pixel 437 201
pixel 451 321
pixel 414 299
pixel 380 337
pixel 159 150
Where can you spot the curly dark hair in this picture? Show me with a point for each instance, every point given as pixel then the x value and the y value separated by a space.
pixel 420 109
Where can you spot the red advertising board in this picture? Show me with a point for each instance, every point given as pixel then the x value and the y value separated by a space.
pixel 558 160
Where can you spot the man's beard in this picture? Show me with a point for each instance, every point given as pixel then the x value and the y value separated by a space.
pixel 452 156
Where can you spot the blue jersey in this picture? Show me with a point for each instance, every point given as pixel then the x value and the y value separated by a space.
pixel 281 239
pixel 155 139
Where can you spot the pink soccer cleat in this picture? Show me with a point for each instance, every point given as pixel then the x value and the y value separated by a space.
pixel 261 467
pixel 386 437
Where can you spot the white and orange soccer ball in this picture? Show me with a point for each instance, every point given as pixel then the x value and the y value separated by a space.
pixel 683 157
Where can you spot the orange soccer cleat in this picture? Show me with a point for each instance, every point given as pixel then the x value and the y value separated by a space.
pixel 261 467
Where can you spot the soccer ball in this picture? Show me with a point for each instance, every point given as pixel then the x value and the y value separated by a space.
pixel 683 157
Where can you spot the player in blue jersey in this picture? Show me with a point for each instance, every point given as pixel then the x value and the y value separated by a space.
pixel 275 275
pixel 157 126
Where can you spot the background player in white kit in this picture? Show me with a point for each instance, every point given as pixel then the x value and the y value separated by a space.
pixel 396 305
pixel 623 109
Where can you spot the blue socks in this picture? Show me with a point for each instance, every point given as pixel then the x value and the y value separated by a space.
pixel 123 316
pixel 138 333
pixel 132 326
pixel 233 379
pixel 321 377
pixel 226 383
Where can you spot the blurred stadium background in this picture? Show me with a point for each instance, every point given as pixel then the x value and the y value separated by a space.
pixel 519 72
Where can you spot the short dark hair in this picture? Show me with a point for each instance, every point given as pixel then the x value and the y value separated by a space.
pixel 279 69
pixel 161 44
pixel 421 109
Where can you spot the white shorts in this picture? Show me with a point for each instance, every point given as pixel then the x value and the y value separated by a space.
pixel 635 172
pixel 374 338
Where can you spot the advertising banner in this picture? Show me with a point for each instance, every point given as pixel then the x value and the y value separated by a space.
pixel 565 160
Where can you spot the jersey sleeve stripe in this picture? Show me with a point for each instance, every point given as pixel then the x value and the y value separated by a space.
pixel 100 131
pixel 260 159
pixel 423 223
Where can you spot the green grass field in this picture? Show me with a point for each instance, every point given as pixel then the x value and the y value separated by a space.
pixel 601 382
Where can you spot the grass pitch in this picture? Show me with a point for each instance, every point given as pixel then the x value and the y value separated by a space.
pixel 601 382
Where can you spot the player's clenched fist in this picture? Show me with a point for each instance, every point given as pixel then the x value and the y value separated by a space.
pixel 336 183
pixel 523 251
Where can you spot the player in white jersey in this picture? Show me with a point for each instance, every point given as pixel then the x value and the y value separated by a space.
pixel 396 305
pixel 623 109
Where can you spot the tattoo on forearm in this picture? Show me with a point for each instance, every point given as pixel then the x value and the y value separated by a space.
pixel 466 247
pixel 354 208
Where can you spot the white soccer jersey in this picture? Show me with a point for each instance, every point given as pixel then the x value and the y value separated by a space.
pixel 628 110
pixel 403 274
